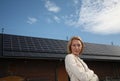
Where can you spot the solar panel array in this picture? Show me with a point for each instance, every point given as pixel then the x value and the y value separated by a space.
pixel 1 44
pixel 23 46
pixel 100 49
pixel 15 43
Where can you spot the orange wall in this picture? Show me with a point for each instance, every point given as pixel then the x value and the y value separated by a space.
pixel 62 75
pixel 49 70
pixel 52 70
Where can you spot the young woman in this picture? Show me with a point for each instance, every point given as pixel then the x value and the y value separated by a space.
pixel 76 68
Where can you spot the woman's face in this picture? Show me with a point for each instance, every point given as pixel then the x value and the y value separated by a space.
pixel 76 47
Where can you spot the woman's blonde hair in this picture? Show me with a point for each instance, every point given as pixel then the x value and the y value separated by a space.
pixel 70 42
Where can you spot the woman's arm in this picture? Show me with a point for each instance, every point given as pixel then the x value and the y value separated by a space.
pixel 77 71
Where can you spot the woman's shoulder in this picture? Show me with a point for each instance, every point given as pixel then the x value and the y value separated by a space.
pixel 70 56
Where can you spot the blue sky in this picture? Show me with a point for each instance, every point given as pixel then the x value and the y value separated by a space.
pixel 95 21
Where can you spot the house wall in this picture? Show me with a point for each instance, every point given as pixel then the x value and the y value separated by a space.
pixel 34 70
pixel 62 74
pixel 52 70
pixel 105 69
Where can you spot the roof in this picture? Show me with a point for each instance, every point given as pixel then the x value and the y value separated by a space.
pixel 15 46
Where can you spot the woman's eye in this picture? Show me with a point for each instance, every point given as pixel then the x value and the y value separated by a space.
pixel 76 45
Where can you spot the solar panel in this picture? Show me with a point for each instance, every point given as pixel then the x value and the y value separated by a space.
pixel 100 49
pixel 1 44
pixel 13 43
pixel 7 44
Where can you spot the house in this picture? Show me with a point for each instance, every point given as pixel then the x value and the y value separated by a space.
pixel 24 58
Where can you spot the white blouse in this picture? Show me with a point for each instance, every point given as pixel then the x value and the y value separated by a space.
pixel 78 70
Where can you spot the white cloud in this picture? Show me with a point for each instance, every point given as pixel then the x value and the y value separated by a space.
pixel 53 19
pixel 76 1
pixel 101 17
pixel 98 16
pixel 57 19
pixel 31 20
pixel 49 20
pixel 52 6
